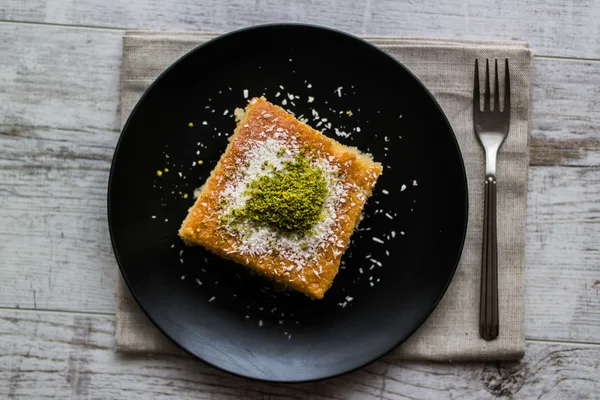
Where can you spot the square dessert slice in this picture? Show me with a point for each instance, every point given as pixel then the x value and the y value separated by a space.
pixel 283 200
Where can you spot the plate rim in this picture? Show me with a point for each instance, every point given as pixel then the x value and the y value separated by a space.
pixel 363 42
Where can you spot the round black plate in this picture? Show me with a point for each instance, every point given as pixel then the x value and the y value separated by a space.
pixel 401 260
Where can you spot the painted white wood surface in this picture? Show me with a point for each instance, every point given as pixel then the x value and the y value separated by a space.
pixel 58 127
pixel 71 356
pixel 59 90
pixel 553 27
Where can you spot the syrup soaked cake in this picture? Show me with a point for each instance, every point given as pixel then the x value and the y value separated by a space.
pixel 283 200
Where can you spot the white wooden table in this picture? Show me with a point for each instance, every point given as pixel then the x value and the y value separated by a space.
pixel 59 92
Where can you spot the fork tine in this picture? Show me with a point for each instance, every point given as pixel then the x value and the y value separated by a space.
pixel 486 98
pixel 496 89
pixel 506 88
pixel 476 93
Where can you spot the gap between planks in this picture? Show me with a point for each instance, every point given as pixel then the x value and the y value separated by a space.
pixel 99 27
pixel 116 29
pixel 107 314
pixel 58 311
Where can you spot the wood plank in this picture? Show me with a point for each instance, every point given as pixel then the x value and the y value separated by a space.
pixel 58 129
pixel 563 254
pixel 71 356
pixel 566 113
pixel 48 68
pixel 553 27
pixel 55 247
pixel 55 77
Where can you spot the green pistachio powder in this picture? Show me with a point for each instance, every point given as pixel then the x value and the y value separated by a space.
pixel 290 200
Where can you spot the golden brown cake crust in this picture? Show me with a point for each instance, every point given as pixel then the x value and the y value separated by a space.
pixel 357 171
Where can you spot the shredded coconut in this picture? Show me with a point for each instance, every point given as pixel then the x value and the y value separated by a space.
pixel 340 133
pixel 259 240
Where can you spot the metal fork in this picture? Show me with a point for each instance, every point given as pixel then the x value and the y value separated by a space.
pixel 491 126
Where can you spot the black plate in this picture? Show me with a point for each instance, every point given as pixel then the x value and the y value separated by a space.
pixel 249 329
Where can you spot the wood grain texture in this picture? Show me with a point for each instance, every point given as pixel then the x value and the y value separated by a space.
pixel 51 79
pixel 563 284
pixel 553 27
pixel 58 129
pixel 71 356
pixel 57 77
pixel 566 113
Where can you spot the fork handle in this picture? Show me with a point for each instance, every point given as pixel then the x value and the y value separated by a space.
pixel 488 307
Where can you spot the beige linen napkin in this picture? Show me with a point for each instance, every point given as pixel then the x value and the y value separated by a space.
pixel 446 68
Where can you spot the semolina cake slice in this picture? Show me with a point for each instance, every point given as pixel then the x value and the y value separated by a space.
pixel 283 200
